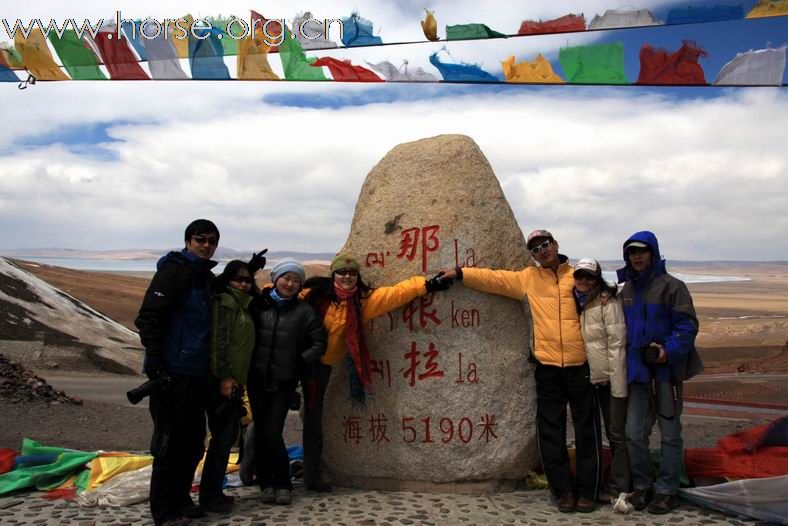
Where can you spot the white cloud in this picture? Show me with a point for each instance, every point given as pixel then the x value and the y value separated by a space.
pixel 707 175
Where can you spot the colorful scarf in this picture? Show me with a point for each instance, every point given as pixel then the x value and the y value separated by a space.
pixel 358 360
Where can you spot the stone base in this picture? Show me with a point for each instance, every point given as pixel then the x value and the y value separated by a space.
pixel 421 486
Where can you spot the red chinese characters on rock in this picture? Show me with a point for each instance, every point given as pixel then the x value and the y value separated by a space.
pixel 426 430
pixel 432 367
pixel 382 368
pixel 413 239
pixel 420 305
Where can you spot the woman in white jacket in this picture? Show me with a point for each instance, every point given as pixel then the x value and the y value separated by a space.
pixel 604 333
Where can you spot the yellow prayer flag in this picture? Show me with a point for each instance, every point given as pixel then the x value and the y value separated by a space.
pixel 767 8
pixel 36 56
pixel 430 26
pixel 537 72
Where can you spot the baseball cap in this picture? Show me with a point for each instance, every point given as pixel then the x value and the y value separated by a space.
pixel 588 265
pixel 636 244
pixel 536 234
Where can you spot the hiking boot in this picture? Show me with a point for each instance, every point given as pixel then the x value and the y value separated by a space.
pixel 283 496
pixel 222 504
pixel 268 496
pixel 320 486
pixel 662 504
pixel 639 499
pixel 566 503
pixel 585 505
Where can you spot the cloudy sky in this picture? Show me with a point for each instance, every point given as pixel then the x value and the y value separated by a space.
pixel 105 165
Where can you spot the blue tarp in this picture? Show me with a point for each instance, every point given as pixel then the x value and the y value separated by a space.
pixel 461 72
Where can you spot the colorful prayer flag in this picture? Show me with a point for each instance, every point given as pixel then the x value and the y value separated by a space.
pixel 206 55
pixel 695 15
pixel 763 67
pixel 344 71
pixel 79 59
pixel 565 24
pixel 430 26
pixel 594 64
pixel 117 56
pixel 768 8
pixel 471 31
pixel 295 63
pixel 658 66
pixel 616 18
pixel 540 71
pixel 357 31
pixel 461 72
pixel 36 56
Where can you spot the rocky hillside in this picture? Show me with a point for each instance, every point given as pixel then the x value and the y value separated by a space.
pixel 31 310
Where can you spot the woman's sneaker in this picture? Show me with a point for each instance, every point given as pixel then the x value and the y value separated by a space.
pixel 283 496
pixel 268 496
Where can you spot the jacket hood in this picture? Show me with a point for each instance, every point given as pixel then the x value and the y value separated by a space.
pixel 184 257
pixel 658 264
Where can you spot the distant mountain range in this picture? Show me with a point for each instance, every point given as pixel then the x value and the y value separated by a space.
pixel 222 253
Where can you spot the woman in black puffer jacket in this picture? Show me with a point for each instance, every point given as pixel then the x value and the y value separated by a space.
pixel 289 337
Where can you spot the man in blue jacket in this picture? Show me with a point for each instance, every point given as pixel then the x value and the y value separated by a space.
pixel 174 323
pixel 661 330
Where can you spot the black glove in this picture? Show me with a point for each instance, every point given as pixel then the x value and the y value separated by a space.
pixel 435 284
pixel 258 261
pixel 154 366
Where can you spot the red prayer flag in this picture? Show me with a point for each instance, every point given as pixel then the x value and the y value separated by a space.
pixel 658 66
pixel 344 71
pixel 117 55
pixel 564 24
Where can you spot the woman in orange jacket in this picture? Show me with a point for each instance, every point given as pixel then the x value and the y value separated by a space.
pixel 346 303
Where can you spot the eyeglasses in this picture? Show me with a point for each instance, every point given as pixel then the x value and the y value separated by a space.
pixel 242 279
pixel 585 276
pixel 542 246
pixel 203 240
pixel 347 272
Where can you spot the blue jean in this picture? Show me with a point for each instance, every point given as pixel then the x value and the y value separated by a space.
pixel 641 416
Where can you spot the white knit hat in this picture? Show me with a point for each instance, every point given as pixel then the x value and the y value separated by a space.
pixel 285 266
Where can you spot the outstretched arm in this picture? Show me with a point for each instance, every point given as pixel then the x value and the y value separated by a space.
pixel 509 283
pixel 385 299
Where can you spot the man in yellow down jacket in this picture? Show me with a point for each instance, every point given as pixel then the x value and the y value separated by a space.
pixel 562 374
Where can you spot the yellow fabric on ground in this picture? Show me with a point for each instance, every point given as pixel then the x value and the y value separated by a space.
pixel 109 465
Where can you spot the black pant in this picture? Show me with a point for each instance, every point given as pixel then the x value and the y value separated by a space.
pixel 224 422
pixel 314 395
pixel 177 445
pixel 269 410
pixel 555 387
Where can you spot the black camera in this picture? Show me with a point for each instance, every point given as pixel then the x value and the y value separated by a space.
pixel 649 354
pixel 136 395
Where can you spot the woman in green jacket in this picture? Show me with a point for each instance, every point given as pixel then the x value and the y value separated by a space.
pixel 232 342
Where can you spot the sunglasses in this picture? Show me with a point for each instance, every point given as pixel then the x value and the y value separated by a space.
pixel 637 250
pixel 542 246
pixel 584 276
pixel 242 279
pixel 347 272
pixel 202 240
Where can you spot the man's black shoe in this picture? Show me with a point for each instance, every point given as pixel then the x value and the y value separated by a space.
pixel 662 504
pixel 192 511
pixel 223 504
pixel 320 486
pixel 567 503
pixel 639 499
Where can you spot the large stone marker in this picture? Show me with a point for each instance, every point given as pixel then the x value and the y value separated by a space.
pixel 453 405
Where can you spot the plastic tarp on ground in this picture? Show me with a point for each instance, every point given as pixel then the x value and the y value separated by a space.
pixel 765 499
pixel 123 490
pixel 752 453
pixel 46 476
pixel 762 67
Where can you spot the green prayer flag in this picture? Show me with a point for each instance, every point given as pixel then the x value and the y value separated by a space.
pixel 594 64
pixel 46 476
pixel 229 44
pixel 295 63
pixel 471 31
pixel 80 61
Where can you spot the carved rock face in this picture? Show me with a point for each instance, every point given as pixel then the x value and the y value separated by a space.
pixel 453 393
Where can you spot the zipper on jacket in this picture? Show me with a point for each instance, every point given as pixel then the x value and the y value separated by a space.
pixel 273 346
pixel 560 328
